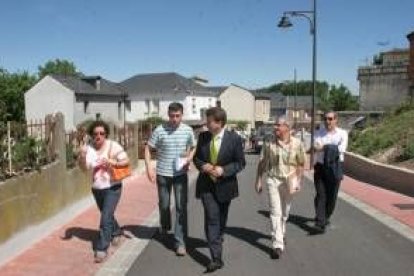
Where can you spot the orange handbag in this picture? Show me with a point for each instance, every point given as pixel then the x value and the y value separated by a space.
pixel 120 172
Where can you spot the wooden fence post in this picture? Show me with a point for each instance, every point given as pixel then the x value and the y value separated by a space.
pixel 9 152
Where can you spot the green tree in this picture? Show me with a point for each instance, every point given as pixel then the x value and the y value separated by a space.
pixel 340 98
pixel 58 66
pixel 12 89
pixel 328 96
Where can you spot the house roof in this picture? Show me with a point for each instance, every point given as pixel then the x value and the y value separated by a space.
pixel 81 86
pixel 218 89
pixel 261 95
pixel 164 82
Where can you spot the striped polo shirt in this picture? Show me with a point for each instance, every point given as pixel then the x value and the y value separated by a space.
pixel 171 143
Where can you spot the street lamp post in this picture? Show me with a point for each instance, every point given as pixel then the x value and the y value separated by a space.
pixel 295 104
pixel 285 23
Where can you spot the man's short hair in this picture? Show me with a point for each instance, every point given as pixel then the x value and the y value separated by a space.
pixel 283 120
pixel 218 114
pixel 175 107
pixel 331 111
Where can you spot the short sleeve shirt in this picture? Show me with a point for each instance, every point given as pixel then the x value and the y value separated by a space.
pixel 280 160
pixel 171 143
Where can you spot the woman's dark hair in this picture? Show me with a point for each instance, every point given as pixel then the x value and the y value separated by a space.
pixel 175 107
pixel 218 114
pixel 96 124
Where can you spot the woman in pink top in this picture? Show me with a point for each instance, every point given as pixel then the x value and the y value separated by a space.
pixel 99 158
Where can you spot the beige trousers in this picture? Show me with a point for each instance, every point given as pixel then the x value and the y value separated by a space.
pixel 279 203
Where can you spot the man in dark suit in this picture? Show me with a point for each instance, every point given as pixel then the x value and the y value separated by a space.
pixel 219 157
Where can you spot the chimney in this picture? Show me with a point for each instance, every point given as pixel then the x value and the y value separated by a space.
pixel 95 81
pixel 200 80
pixel 411 63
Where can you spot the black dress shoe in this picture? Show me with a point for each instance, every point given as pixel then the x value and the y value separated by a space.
pixel 276 253
pixel 213 266
pixel 320 229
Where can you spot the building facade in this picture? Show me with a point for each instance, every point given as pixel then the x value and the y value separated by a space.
pixel 385 83
pixel 78 99
pixel 150 95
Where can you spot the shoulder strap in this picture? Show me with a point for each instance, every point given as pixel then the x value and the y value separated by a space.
pixel 110 149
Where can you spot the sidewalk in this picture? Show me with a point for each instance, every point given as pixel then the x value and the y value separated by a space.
pixel 395 205
pixel 69 249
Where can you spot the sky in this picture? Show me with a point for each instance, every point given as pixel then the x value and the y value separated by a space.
pixel 224 41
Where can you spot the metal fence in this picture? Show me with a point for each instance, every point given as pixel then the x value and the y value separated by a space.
pixel 25 146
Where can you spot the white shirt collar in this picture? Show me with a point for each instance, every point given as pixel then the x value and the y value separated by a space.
pixel 221 134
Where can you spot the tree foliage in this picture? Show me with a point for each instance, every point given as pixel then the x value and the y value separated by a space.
pixel 329 97
pixel 12 89
pixel 58 66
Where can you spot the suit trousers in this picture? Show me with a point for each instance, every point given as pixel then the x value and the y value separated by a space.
pixel 215 220
pixel 326 195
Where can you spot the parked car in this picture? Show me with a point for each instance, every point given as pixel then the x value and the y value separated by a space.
pixel 262 134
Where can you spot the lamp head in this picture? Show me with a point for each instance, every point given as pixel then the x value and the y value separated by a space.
pixel 284 22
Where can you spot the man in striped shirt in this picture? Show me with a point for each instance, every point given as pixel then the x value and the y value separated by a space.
pixel 175 146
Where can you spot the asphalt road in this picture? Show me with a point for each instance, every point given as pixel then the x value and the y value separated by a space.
pixel 356 244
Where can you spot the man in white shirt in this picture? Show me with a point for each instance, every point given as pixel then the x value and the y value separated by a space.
pixel 330 142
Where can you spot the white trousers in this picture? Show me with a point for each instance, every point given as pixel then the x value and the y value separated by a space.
pixel 279 202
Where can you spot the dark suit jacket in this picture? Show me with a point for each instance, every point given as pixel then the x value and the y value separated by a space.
pixel 332 168
pixel 230 157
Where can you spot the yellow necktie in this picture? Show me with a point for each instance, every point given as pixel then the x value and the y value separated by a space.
pixel 214 150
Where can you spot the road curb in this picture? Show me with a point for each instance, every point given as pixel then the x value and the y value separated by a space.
pixel 124 257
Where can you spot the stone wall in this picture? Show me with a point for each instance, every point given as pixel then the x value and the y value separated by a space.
pixel 389 177
pixel 382 88
pixel 35 197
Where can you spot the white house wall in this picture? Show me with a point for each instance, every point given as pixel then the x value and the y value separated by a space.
pixel 109 111
pixel 201 103
pixel 49 96
pixel 239 104
pixel 139 110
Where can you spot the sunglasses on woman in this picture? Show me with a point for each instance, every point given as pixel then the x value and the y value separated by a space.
pixel 100 133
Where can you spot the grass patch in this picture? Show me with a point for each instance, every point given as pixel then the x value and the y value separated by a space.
pixel 396 130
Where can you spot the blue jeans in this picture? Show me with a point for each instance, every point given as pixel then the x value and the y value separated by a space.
pixel 107 200
pixel 180 184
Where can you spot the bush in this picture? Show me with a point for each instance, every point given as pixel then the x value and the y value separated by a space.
pixel 408 152
pixel 71 156
pixel 28 154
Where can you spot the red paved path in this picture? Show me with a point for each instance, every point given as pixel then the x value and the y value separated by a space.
pixel 68 251
pixel 396 205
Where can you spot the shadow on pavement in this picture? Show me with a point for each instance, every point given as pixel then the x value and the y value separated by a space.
pixel 300 221
pixel 85 234
pixel 145 232
pixel 250 236
pixel 192 245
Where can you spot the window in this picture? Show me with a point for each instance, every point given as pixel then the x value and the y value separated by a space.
pixel 147 107
pixel 194 106
pixel 119 110
pixel 86 107
pixel 128 105
pixel 155 107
